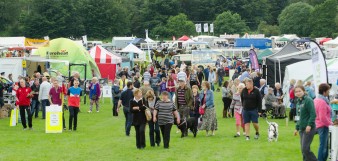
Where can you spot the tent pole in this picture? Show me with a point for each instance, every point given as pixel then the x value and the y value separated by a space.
pixel 275 71
pixel 280 73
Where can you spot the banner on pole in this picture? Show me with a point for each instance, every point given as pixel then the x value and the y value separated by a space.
pixel 84 40
pixel 206 29
pixel 198 28
pixel 212 28
pixel 318 66
pixel 54 119
pixel 253 59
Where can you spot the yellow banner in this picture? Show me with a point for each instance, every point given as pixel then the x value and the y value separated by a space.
pixel 36 42
pixel 14 117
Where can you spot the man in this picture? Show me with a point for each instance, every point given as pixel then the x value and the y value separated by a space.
pixel 263 90
pixel 44 95
pixel 206 73
pixel 119 70
pixel 182 75
pixel 272 102
pixel 125 98
pixel 123 82
pixel 200 76
pixel 183 100
pixel 155 83
pixel 245 74
pixel 221 75
pixel 252 106
pixel 146 75
pixel 76 76
pixel 38 76
pixel 145 88
pixel 55 98
pixel 35 100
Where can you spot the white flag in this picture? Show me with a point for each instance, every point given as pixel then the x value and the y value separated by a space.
pixel 146 33
pixel 212 28
pixel 206 27
pixel 84 40
pixel 196 26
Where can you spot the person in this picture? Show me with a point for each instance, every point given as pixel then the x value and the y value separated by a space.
pixel 163 85
pixel 245 74
pixel 306 125
pixel 171 87
pixel 123 82
pixel 183 99
pixel 24 94
pixel 74 94
pixel 257 80
pixel 194 111
pixel 164 111
pixel 138 108
pixel 206 72
pixel 200 76
pixel 263 89
pixel 236 104
pixel 137 83
pixel 212 78
pixel 193 78
pixel 174 75
pixel 145 88
pixel 35 100
pixel 207 102
pixel 278 92
pixel 236 75
pixel 125 98
pixel 272 101
pixel 55 98
pixel 226 98
pixel 309 90
pixel 323 119
pixel 220 75
pixel 116 94
pixel 2 88
pixel 154 83
pixel 146 75
pixel 94 94
pixel 43 95
pixel 75 76
pixel 182 75
pixel 154 128
pixel 292 112
pixel 252 106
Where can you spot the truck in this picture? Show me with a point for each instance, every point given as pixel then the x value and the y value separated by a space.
pixel 260 43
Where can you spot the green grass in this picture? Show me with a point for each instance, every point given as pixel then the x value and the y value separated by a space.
pixel 101 137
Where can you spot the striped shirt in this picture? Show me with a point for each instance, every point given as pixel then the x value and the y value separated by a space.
pixel 165 112
pixel 181 97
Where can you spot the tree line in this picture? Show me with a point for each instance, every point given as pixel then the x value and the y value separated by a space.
pixel 103 19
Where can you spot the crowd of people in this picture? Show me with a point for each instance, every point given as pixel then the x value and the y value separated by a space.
pixel 175 94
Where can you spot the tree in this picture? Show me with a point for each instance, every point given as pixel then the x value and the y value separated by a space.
pixel 9 13
pixel 323 19
pixel 294 19
pixel 180 25
pixel 268 30
pixel 229 23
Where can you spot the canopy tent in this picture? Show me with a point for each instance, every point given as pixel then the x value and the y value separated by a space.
pixel 321 42
pixel 263 53
pixel 133 49
pixel 276 63
pixel 105 61
pixel 184 38
pixel 332 43
pixel 66 49
pixel 296 71
pixel 138 41
pixel 149 40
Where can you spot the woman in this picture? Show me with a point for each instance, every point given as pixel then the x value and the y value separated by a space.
pixel 171 86
pixel 306 116
pixel 150 101
pixel 139 118
pixel 323 119
pixel 193 78
pixel 309 90
pixel 212 78
pixel 257 79
pixel 164 111
pixel 24 94
pixel 226 92
pixel 94 94
pixel 207 102
pixel 236 104
pixel 194 111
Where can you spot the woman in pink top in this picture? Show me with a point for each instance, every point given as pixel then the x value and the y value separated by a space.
pixel 323 119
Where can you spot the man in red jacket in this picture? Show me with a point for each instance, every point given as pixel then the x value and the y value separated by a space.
pixel 24 94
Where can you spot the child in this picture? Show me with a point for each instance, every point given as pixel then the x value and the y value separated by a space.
pixel 74 94
pixel 163 85
pixel 237 105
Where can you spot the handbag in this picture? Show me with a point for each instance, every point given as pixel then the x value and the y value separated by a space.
pixel 147 112
pixel 201 110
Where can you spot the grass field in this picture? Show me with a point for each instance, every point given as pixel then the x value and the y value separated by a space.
pixel 101 137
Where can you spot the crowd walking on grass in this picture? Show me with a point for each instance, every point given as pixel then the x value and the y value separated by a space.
pixel 183 97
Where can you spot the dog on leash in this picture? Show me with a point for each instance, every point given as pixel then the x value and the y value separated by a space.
pixel 186 124
pixel 272 131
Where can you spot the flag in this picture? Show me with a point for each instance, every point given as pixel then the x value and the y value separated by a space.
pixel 198 27
pixel 146 33
pixel 84 40
pixel 212 28
pixel 253 59
pixel 318 65
pixel 206 27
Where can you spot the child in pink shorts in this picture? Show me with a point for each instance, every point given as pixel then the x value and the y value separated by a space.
pixel 236 104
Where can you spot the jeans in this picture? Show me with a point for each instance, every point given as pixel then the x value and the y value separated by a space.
pixel 305 142
pixel 44 103
pixel 220 79
pixel 23 109
pixel 140 136
pixel 129 119
pixel 212 86
pixel 115 102
pixel 165 130
pixel 35 108
pixel 171 95
pixel 154 128
pixel 323 138
pixel 73 111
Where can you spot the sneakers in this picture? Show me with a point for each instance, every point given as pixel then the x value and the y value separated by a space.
pixel 237 135
pixel 247 138
pixel 257 135
pixel 89 111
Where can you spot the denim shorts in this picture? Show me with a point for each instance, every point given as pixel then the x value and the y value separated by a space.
pixel 250 116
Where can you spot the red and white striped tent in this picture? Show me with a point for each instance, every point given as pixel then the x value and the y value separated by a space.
pixel 106 61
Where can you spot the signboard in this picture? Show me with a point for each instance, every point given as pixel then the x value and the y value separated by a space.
pixel 14 117
pixel 24 64
pixel 54 119
pixel 106 92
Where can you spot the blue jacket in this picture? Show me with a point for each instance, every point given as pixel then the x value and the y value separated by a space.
pixel 209 100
